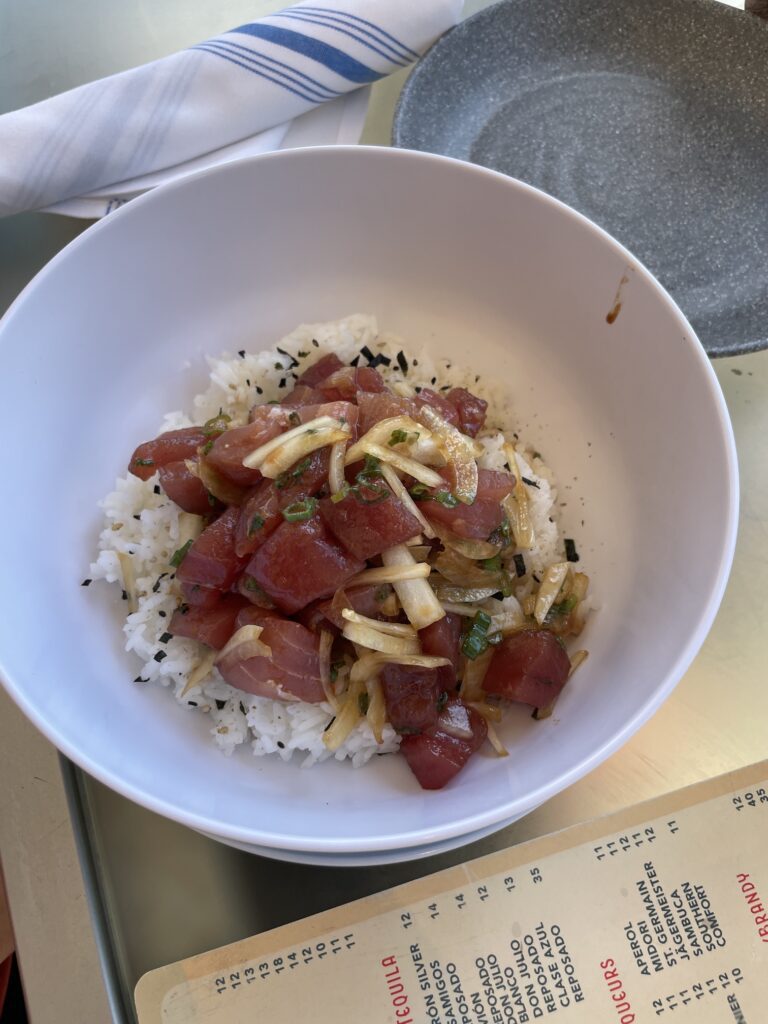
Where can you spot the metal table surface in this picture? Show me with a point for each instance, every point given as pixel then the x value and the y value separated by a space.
pixel 157 891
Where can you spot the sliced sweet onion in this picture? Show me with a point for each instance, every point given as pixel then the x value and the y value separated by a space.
pixel 416 596
pixel 401 492
pixel 381 433
pixel 460 452
pixel 201 670
pixel 370 664
pixel 577 658
pixel 490 712
pixel 390 628
pixel 414 541
pixel 506 616
pixel 454 719
pixel 288 454
pixel 129 580
pixel 474 549
pixel 336 478
pixel 455 608
pixel 255 458
pixel 474 674
pixel 377 708
pixel 517 505
pixel 390 574
pixel 493 739
pixel 347 717
pixel 190 528
pixel 462 595
pixel 214 482
pixel 551 582
pixel 324 657
pixel 423 474
pixel 246 643
pixel 376 640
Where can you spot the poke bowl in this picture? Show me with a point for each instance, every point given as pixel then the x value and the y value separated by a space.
pixel 505 446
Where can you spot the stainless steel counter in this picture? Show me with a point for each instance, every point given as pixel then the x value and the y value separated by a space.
pixel 160 892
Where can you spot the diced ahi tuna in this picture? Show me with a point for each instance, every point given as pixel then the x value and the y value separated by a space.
pixel 291 672
pixel 366 600
pixel 200 597
pixel 483 516
pixel 302 562
pixel 470 409
pixel 318 371
pixel 435 756
pixel 186 489
pixel 443 640
pixel 377 407
pixel 411 695
pixel 301 395
pixel 228 451
pixel 531 667
pixel 435 401
pixel 209 626
pixel 260 515
pixel 368 529
pixel 347 382
pixel 211 560
pixel 173 446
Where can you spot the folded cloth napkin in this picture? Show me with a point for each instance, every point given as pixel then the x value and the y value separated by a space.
pixel 138 128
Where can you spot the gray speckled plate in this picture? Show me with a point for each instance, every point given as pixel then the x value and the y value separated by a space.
pixel 648 116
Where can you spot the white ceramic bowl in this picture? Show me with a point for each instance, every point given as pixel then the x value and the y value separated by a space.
pixel 481 268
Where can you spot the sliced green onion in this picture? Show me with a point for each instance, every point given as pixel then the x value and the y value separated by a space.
pixel 207 446
pixel 476 638
pixel 300 510
pixel 255 524
pixel 492 564
pixel 341 494
pixel 370 464
pixel 419 491
pixel 216 424
pixel 289 476
pixel 178 556
pixel 143 462
pixel 446 499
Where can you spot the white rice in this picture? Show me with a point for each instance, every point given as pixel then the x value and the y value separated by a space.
pixel 145 525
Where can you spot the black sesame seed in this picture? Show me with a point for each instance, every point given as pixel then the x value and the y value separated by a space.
pixel 160 655
pixel 402 362
pixel 192 703
pixel 221 704
pixel 247 382
pixel 434 380
pixel 242 708
pixel 156 584
pixel 86 583
pixel 417 389
pixel 281 383
pixel 536 578
pixel 259 391
pixel 316 343
pixel 125 595
pixel 137 517
pixel 241 353
pixel 281 744
pixel 161 613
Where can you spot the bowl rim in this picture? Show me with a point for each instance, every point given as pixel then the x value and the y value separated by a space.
pixel 501 811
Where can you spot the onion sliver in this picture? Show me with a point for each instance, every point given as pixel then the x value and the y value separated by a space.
pixel 377 709
pixel 255 458
pixel 246 643
pixel 416 596
pixel 423 474
pixel 375 640
pixel 370 664
pixel 391 628
pixel 551 582
pixel 201 670
pixel 460 452
pixel 401 492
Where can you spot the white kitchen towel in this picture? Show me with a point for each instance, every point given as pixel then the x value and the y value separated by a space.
pixel 155 119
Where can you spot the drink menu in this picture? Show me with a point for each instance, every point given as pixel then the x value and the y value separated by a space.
pixel 656 913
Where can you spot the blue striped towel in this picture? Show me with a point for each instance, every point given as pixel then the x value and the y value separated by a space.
pixel 121 135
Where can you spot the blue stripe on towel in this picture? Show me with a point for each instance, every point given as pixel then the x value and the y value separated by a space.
pixel 349 30
pixel 334 59
pixel 223 41
pixel 407 51
pixel 255 60
pixel 233 60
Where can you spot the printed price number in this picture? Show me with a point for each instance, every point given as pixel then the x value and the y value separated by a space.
pixel 751 798
pixel 720 983
pixel 626 843
pixel 272 968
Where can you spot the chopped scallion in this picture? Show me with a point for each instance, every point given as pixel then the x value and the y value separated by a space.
pixel 300 510
pixel 179 555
